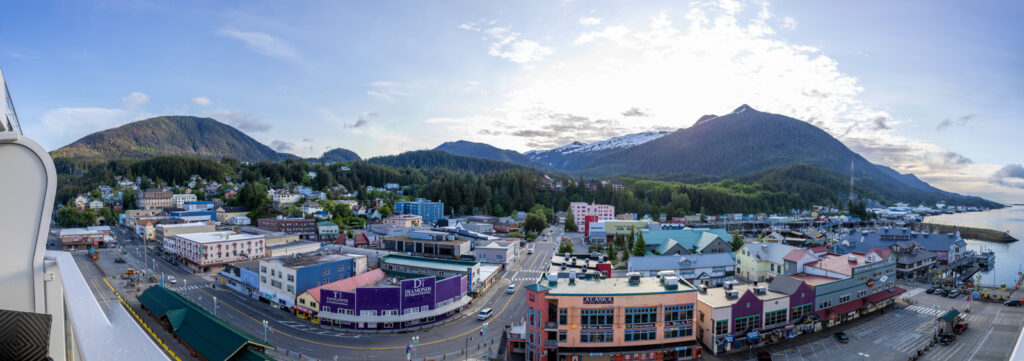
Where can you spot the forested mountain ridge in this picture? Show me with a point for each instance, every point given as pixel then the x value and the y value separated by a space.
pixel 487 151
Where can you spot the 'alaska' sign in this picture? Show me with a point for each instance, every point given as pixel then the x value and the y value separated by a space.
pixel 598 300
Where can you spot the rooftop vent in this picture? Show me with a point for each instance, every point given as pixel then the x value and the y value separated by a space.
pixel 727 285
pixel 572 277
pixel 552 278
pixel 732 294
pixel 671 282
pixel 703 289
pixel 852 258
pixel 634 278
pixel 760 290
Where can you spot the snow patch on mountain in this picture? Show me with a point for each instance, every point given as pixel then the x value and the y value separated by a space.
pixel 625 141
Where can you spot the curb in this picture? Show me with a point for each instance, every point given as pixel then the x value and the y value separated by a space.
pixel 141 322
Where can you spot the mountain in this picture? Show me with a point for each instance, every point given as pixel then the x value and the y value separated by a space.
pixel 748 141
pixel 575 156
pixel 338 155
pixel 445 160
pixel 481 150
pixel 169 135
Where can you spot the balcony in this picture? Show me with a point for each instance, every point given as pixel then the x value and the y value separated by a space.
pixel 550 326
pixel 551 343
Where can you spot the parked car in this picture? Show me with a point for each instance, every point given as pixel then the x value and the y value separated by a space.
pixel 841 337
pixel 120 260
pixel 172 280
pixel 931 290
pixel 529 251
pixel 953 294
pixel 764 356
pixel 1012 303
pixel 947 339
pixel 940 292
pixel 484 314
pixel 960 327
pixel 511 289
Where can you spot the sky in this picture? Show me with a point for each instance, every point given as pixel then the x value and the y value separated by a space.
pixel 934 88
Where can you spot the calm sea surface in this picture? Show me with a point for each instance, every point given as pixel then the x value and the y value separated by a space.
pixel 1009 256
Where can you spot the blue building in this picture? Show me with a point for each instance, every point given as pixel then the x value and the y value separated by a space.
pixel 430 211
pixel 195 216
pixel 284 278
pixel 199 206
pixel 243 277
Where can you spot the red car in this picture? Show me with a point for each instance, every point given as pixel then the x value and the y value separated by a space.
pixel 960 327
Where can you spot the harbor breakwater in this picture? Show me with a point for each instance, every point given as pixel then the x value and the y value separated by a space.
pixel 981 234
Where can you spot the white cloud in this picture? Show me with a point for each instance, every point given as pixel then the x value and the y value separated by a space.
pixel 201 101
pixel 65 125
pixel 264 44
pixel 590 20
pixel 507 44
pixel 789 23
pixel 389 91
pixel 241 120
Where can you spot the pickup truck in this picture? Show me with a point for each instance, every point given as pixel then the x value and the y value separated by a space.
pixel 960 327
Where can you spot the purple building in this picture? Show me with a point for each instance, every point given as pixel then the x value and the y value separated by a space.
pixel 740 317
pixel 411 303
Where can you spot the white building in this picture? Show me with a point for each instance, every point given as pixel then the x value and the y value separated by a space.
pixel 240 221
pixel 205 250
pixel 580 210
pixel 497 252
pixel 96 204
pixel 178 200
pixel 311 207
pixel 286 199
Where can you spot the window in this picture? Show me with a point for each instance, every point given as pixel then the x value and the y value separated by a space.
pixel 799 312
pixel 774 318
pixel 677 332
pixel 263 279
pixel 747 324
pixel 643 334
pixel 641 316
pixel 597 336
pixel 597 318
pixel 563 316
pixel 263 269
pixel 325 271
pixel 562 337
pixel 862 293
pixel 291 289
pixel 275 283
pixel 721 327
pixel 844 298
pixel 826 303
pixel 389 312
pixel 679 314
pixel 302 301
pixel 291 278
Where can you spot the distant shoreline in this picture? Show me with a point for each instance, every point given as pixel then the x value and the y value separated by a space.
pixel 981 234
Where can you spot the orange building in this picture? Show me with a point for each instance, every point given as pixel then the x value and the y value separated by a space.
pixel 619 319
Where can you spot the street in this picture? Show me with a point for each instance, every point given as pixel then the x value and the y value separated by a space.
pixel 293 335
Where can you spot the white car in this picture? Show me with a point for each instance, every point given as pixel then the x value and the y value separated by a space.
pixel 511 289
pixel 172 280
pixel 484 314
pixel 529 251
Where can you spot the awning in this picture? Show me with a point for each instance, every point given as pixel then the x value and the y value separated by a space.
pixel 885 294
pixel 841 309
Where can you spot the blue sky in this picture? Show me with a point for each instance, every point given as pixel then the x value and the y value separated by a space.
pixel 933 88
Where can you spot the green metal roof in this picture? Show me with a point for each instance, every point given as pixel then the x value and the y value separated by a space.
pixel 665 246
pixel 212 338
pixel 612 287
pixel 950 315
pixel 688 238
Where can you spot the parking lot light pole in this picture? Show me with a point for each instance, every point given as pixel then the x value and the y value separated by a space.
pixel 214 305
pixel 415 341
pixel 264 331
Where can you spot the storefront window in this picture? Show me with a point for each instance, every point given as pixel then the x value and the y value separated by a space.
pixel 721 327
pixel 774 318
pixel 644 334
pixel 799 312
pixel 747 324
pixel 641 316
pixel 597 318
pixel 678 332
pixel 678 314
pixel 597 336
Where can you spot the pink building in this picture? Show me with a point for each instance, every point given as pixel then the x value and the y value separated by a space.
pixel 614 319
pixel 580 211
pixel 202 251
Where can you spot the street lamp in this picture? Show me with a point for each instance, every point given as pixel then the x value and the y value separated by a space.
pixel 264 331
pixel 214 305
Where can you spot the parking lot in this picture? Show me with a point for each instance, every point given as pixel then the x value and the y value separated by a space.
pixel 900 333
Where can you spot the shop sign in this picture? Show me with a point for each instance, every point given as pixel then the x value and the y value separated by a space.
pixel 729 338
pixel 753 335
pixel 598 300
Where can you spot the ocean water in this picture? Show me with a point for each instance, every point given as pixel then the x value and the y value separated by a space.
pixel 1009 256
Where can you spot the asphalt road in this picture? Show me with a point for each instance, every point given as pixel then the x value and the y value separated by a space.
pixel 295 335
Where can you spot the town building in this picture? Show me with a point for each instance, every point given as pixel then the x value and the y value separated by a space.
pixel 243 277
pixel 632 318
pixel 132 215
pixel 739 317
pixel 285 199
pixel 305 228
pixel 687 241
pixel 327 231
pixel 225 213
pixel 95 204
pixel 162 231
pixel 414 267
pixel 760 261
pixel 412 303
pixel 708 269
pixel 310 207
pixel 153 198
pixel 912 260
pixel 484 228
pixel 610 229
pixel 428 244
pixel 506 225
pixel 196 206
pixel 848 286
pixel 430 211
pixel 82 238
pixel 948 248
pixel 403 220
pixel 580 211
pixel 205 251
pixel 283 278
pixel 292 248
pixel 178 200
pixel 194 216
pixel 497 251
pixel 239 221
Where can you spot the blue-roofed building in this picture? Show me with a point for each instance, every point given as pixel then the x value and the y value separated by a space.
pixel 195 216
pixel 429 211
pixel 948 248
pixel 687 241
pixel 710 269
pixel 199 206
